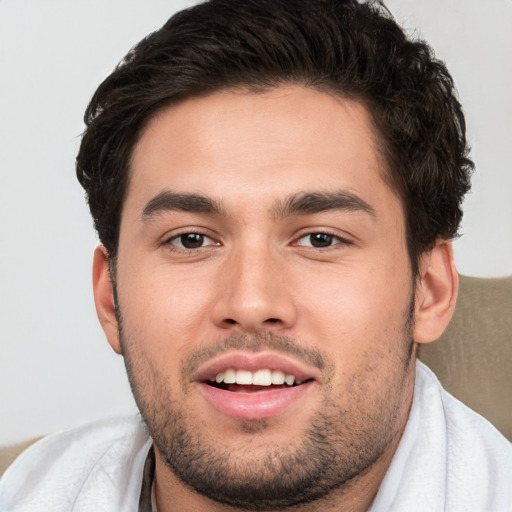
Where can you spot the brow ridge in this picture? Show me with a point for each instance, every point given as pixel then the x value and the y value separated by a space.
pixel 167 201
pixel 309 203
pixel 304 203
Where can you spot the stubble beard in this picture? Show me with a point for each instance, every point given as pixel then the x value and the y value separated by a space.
pixel 340 445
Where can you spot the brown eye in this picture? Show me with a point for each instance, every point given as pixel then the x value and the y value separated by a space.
pixel 321 239
pixel 191 241
pixel 318 240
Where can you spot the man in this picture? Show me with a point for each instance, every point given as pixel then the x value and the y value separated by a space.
pixel 275 185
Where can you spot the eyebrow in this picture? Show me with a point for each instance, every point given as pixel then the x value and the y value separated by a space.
pixel 318 202
pixel 297 204
pixel 167 201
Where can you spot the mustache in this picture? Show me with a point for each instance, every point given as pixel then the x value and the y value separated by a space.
pixel 255 343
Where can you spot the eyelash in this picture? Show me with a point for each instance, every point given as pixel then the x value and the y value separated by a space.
pixel 339 241
pixel 172 247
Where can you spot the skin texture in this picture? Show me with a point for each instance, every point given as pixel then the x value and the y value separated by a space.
pixel 345 313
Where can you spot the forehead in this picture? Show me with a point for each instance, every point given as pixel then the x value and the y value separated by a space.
pixel 239 145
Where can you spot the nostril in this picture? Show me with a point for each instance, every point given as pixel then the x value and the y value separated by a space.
pixel 251 324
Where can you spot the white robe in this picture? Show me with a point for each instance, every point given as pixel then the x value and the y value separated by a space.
pixel 449 459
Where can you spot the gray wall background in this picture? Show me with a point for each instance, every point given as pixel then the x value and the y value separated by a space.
pixel 56 369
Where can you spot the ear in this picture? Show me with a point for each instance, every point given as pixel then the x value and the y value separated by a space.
pixel 104 298
pixel 436 292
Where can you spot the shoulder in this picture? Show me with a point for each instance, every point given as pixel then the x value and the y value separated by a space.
pixel 77 467
pixel 478 457
pixel 461 422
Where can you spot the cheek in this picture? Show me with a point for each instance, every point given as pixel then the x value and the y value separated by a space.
pixel 360 322
pixel 166 310
pixel 352 309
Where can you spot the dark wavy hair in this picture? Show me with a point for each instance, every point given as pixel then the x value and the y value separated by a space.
pixel 355 50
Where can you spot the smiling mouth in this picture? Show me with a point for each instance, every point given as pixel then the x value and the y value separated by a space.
pixel 254 387
pixel 245 381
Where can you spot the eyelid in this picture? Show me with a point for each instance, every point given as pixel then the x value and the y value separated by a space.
pixel 168 239
pixel 341 239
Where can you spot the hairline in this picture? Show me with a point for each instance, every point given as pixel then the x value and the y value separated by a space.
pixel 383 152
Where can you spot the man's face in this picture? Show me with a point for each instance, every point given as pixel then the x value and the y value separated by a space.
pixel 259 236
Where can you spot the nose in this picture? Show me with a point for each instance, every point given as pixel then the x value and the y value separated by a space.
pixel 254 293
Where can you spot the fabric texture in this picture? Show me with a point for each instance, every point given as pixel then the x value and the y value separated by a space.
pixel 473 358
pixel 9 453
pixel 97 468
pixel 449 459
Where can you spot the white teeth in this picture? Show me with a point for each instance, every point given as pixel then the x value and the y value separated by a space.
pixel 264 377
pixel 289 379
pixel 278 377
pixel 243 377
pixel 229 376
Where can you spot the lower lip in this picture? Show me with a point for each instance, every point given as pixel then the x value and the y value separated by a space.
pixel 253 406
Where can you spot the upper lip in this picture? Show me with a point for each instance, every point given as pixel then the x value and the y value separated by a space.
pixel 253 361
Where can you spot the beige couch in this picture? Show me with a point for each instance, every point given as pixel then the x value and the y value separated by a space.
pixel 473 358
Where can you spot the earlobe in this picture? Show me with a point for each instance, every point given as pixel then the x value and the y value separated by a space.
pixel 104 298
pixel 436 292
